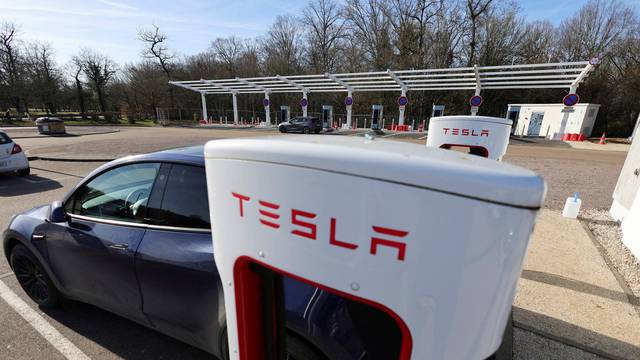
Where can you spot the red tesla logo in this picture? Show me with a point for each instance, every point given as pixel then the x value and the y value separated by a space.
pixel 304 225
pixel 465 132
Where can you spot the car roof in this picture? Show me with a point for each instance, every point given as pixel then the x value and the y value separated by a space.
pixel 193 155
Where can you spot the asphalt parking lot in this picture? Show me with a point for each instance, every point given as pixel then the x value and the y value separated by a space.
pixel 98 334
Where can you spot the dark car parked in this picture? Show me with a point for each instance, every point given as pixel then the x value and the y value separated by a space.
pixel 305 125
pixel 134 238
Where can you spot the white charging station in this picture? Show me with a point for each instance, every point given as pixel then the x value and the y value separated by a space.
pixel 433 238
pixel 483 135
pixel 327 116
pixel 285 113
pixel 376 117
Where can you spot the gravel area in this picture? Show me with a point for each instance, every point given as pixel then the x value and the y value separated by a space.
pixel 607 232
pixel 530 346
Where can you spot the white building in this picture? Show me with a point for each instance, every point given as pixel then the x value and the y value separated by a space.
pixel 552 120
pixel 626 197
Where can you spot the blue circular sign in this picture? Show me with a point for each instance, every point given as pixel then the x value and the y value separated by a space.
pixel 403 101
pixel 304 102
pixel 348 101
pixel 476 100
pixel 571 99
pixel 266 102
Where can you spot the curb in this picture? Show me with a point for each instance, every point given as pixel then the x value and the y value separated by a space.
pixel 44 158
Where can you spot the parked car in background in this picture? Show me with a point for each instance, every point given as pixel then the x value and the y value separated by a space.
pixel 305 125
pixel 12 157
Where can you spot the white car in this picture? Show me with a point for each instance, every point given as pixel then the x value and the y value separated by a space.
pixel 12 158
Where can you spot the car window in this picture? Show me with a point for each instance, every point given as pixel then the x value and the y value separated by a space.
pixel 118 194
pixel 185 203
pixel 5 139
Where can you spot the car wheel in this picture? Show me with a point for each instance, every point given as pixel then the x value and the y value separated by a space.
pixel 32 277
pixel 24 172
pixel 317 131
pixel 283 129
pixel 306 130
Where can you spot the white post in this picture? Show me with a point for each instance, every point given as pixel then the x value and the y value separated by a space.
pixel 235 108
pixel 474 109
pixel 349 111
pixel 401 109
pixel 267 116
pixel 204 106
pixel 304 108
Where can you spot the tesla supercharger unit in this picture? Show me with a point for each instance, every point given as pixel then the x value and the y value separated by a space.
pixel 483 135
pixel 433 239
pixel 376 117
pixel 438 110
pixel 327 116
pixel 284 113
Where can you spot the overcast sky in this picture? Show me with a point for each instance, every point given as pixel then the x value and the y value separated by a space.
pixel 110 26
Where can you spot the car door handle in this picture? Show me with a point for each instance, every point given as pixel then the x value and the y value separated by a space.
pixel 119 246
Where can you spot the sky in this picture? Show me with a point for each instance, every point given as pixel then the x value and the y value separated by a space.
pixel 111 26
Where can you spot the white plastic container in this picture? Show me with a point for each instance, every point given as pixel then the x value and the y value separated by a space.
pixel 572 207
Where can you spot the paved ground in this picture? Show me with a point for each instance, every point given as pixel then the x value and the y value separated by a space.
pixel 101 335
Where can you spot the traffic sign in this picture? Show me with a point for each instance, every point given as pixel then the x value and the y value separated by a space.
pixel 348 101
pixel 304 102
pixel 476 100
pixel 266 102
pixel 571 99
pixel 403 101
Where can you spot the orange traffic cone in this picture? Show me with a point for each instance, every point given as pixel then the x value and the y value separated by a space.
pixel 603 139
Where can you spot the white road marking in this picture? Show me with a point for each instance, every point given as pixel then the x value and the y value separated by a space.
pixel 422 138
pixel 53 336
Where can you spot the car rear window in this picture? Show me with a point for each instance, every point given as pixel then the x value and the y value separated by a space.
pixel 5 139
pixel 185 203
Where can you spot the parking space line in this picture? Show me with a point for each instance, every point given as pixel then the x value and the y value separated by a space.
pixel 53 336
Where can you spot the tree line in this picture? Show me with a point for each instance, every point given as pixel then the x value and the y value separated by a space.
pixel 343 36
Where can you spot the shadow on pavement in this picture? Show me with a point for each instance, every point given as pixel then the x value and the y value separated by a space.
pixel 15 186
pixel 578 285
pixel 574 335
pixel 122 337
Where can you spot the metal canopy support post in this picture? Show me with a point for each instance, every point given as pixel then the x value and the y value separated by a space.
pixel 349 94
pixel 581 76
pixel 304 108
pixel 403 92
pixel 474 109
pixel 235 108
pixel 299 87
pixel 266 103
pixel 204 107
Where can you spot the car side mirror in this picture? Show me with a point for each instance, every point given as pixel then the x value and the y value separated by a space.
pixel 57 213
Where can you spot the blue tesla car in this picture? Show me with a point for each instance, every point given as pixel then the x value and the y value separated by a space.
pixel 134 238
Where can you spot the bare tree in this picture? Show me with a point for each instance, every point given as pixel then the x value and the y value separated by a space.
pixel 371 28
pixel 156 49
pixel 283 46
pixel 325 30
pixel 99 70
pixel 44 75
pixel 10 62
pixel 475 8
pixel 410 19
pixel 76 68
pixel 228 51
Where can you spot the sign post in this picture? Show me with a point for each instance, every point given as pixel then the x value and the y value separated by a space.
pixel 303 103
pixel 267 105
pixel 475 102
pixel 348 102
pixel 402 103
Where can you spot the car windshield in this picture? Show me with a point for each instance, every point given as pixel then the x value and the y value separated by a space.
pixel 5 139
